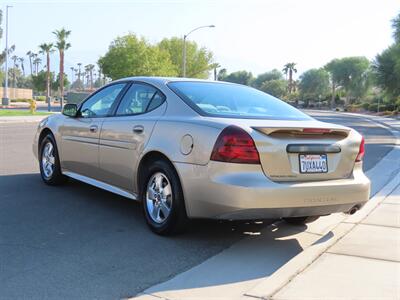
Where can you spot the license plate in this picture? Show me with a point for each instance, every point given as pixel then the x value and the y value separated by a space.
pixel 313 163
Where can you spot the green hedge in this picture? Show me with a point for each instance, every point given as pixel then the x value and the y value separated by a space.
pixel 20 100
pixel 40 98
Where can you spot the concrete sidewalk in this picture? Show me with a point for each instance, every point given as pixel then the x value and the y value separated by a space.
pixel 362 262
pixel 22 119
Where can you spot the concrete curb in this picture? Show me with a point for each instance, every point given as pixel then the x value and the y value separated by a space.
pixel 274 283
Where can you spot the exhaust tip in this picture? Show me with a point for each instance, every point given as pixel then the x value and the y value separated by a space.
pixel 353 210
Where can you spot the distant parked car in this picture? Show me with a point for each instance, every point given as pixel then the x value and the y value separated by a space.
pixel 190 148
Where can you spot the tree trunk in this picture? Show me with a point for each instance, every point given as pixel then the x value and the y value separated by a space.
pixel 290 81
pixel 91 80
pixel 61 77
pixel 333 95
pixel 30 63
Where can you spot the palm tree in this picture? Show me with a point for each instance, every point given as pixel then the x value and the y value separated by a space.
pixel 30 55
pixel 34 57
pixel 47 49
pixel 72 74
pixel 79 72
pixel 86 75
pixel 214 67
pixel 289 68
pixel 36 63
pixel 21 60
pixel 62 45
pixel 3 54
pixel 89 69
pixel 14 58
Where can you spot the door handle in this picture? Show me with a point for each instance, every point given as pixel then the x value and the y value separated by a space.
pixel 93 128
pixel 138 129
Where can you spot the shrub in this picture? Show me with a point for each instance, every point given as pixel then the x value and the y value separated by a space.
pixel 365 105
pixel 373 107
pixel 40 98
pixel 351 108
pixel 20 100
pixel 390 106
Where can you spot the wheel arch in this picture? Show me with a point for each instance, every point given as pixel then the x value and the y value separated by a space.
pixel 45 131
pixel 147 159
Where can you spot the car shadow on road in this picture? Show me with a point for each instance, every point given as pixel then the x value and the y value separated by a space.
pixel 241 266
pixel 58 232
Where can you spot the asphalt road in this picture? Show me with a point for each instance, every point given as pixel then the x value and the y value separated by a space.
pixel 378 140
pixel 79 242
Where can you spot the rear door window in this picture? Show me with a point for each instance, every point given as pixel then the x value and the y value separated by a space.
pixel 139 98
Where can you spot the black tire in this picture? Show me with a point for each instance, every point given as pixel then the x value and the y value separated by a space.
pixel 301 220
pixel 177 219
pixel 56 177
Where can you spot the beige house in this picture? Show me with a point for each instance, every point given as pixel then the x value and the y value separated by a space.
pixel 17 93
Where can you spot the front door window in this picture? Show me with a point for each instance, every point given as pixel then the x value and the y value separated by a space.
pixel 99 105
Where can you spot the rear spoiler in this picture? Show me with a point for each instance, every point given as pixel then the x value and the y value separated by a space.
pixel 299 131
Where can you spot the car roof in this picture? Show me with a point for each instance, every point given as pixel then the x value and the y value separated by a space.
pixel 165 80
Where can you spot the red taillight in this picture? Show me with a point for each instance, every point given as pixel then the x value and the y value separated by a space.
pixel 361 152
pixel 236 146
pixel 316 130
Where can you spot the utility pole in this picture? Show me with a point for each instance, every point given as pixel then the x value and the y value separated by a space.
pixel 6 100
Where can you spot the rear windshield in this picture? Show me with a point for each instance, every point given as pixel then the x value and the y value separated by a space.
pixel 232 100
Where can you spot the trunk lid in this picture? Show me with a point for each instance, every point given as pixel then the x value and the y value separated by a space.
pixel 305 150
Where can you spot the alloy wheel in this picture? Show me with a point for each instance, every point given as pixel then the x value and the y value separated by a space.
pixel 48 160
pixel 159 197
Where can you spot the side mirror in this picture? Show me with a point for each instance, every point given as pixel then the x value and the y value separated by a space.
pixel 70 110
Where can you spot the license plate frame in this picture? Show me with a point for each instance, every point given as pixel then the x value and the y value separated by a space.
pixel 318 169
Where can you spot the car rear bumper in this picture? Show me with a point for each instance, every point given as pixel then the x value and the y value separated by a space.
pixel 238 191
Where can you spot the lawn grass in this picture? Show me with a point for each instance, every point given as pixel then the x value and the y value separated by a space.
pixel 20 112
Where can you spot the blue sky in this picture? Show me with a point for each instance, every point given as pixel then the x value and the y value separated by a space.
pixel 256 35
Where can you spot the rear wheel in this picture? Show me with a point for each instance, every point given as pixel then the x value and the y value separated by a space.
pixel 162 198
pixel 49 162
pixel 301 220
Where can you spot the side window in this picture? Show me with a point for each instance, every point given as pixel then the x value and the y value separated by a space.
pixel 139 99
pixel 100 103
pixel 157 100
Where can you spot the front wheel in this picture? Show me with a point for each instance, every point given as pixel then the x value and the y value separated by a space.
pixel 301 220
pixel 49 162
pixel 162 198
